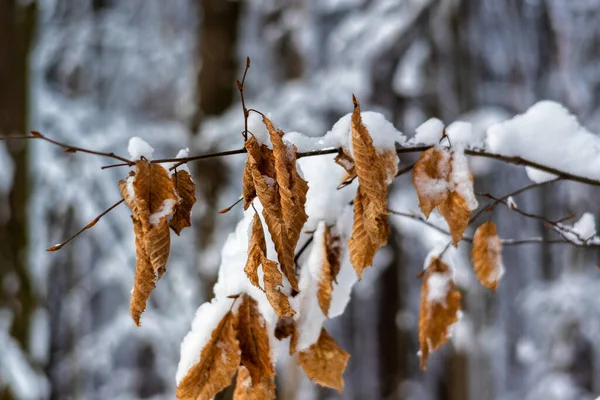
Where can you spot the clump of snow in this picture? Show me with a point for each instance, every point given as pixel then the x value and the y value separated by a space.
pixel 205 321
pixel 438 286
pixel 258 129
pixel 510 202
pixel 461 177
pixel 583 231
pixel 495 247
pixel 539 176
pixel 460 132
pixel 166 208
pixel 139 148
pixel 429 132
pixel 310 316
pixel 548 134
pixel 384 134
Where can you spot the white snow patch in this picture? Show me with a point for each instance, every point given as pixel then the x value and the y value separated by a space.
pixel 139 148
pixel 539 176
pixel 166 209
pixel 438 286
pixel 549 135
pixel 510 202
pixel 429 132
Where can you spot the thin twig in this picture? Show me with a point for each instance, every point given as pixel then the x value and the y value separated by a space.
pixel 400 150
pixel 68 148
pixel 505 242
pixel 240 86
pixel 303 248
pixel 226 210
pixel 490 207
pixel 88 226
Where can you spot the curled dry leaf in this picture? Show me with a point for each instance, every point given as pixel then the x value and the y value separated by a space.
pixel 218 363
pixel 186 190
pixel 456 213
pixel 273 279
pixel 440 307
pixel 155 199
pixel 437 186
pixel 375 171
pixel 248 388
pixel 325 362
pixel 272 176
pixel 257 250
pixel 430 177
pixel 330 269
pixel 285 327
pixel 149 193
pixel 254 340
pixel 369 166
pixel 487 257
pixel 345 161
pixel 278 300
pixel 361 244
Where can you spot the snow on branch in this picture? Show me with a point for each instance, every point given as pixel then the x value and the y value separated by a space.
pixel 315 215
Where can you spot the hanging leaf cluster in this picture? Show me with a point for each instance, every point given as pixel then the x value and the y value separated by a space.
pixel 159 202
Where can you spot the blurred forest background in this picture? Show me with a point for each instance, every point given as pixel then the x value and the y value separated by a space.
pixel 96 72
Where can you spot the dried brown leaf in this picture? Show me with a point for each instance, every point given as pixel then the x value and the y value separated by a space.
pixel 330 269
pixel 218 363
pixel 369 166
pixel 154 192
pixel 273 279
pixel 285 327
pixel 248 388
pixel 344 160
pixel 256 252
pixel 254 340
pixel 362 248
pixel 145 278
pixel 431 174
pixel 456 213
pixel 487 257
pixel 186 190
pixel 436 317
pixel 325 362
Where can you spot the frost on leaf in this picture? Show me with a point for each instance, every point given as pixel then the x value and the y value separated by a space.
pixel 186 190
pixel 430 178
pixel 247 388
pixel 374 170
pixel 442 179
pixel 219 360
pixel 254 340
pixel 440 307
pixel 487 257
pixel 272 176
pixel 325 362
pixel 257 249
pixel 149 193
pixel 330 269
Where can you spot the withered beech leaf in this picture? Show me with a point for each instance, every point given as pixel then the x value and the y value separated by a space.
pixel 218 363
pixel 456 213
pixel 430 178
pixel 440 306
pixel 325 362
pixel 254 340
pixel 487 256
pixel 257 249
pixel 369 167
pixel 186 190
pixel 144 281
pixel 345 161
pixel 362 247
pixel 330 269
pixel 278 300
pixel 248 190
pixel 248 388
pixel 284 328
pixel 155 199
